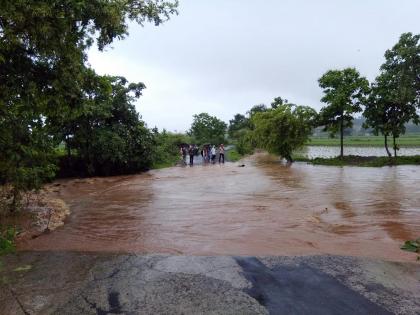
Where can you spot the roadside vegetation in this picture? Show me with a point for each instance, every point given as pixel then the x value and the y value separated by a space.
pixel 232 155
pixel 412 246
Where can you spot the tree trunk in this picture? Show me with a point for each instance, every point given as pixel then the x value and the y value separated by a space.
pixel 395 146
pixel 68 148
pixel 386 146
pixel 341 136
pixel 15 201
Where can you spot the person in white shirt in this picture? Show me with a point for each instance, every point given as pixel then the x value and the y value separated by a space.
pixel 213 153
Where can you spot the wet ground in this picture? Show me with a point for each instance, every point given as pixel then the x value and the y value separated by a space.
pixel 76 283
pixel 264 208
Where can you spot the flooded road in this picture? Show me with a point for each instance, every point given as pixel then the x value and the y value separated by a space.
pixel 264 208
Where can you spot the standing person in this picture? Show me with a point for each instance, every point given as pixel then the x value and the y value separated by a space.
pixel 191 153
pixel 213 154
pixel 204 154
pixel 184 154
pixel 222 153
pixel 208 153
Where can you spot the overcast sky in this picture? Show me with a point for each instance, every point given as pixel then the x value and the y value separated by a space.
pixel 224 56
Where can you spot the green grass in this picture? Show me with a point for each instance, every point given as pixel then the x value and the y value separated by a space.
pixel 232 155
pixel 411 140
pixel 370 161
pixel 7 240
pixel 163 164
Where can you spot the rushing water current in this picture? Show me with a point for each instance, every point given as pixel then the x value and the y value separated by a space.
pixel 265 208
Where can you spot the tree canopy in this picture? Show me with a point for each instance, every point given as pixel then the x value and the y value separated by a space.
pixel 395 97
pixel 344 93
pixel 283 129
pixel 208 129
pixel 45 81
pixel 237 124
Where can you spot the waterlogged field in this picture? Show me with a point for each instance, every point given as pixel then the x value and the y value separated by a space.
pixel 327 151
pixel 412 140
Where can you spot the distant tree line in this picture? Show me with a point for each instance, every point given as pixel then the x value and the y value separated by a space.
pixel 388 104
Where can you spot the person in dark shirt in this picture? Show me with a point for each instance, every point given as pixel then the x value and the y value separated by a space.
pixel 191 153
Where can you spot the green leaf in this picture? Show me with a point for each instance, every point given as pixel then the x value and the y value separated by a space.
pixel 412 246
pixel 23 268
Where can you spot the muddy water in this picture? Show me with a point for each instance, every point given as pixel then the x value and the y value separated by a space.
pixel 263 208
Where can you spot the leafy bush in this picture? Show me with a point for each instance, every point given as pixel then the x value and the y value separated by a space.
pixel 412 246
pixel 7 238
pixel 166 148
pixel 233 155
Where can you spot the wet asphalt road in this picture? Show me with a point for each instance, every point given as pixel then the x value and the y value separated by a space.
pixel 80 283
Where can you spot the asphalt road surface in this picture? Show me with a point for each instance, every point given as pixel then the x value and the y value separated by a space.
pixel 77 283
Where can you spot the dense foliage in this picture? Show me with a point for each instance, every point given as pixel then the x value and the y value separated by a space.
pixel 107 137
pixel 283 129
pixel 207 129
pixel 344 92
pixel 167 146
pixel 395 96
pixel 280 129
pixel 46 84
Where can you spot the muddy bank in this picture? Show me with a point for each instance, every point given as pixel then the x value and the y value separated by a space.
pixel 42 212
pixel 264 208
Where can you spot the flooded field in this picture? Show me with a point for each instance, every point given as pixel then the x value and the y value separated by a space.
pixel 332 151
pixel 264 208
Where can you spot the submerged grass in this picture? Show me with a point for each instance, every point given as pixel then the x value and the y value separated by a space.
pixel 7 240
pixel 367 161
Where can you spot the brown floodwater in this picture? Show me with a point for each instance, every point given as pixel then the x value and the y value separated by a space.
pixel 264 208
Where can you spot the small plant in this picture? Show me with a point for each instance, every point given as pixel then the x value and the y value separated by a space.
pixel 412 246
pixel 233 155
pixel 7 241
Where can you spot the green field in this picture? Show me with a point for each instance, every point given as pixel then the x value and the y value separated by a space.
pixel 412 140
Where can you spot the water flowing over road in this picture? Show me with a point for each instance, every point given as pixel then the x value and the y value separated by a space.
pixel 264 208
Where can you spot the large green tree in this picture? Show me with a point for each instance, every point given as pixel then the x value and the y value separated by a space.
pixel 344 93
pixel 237 124
pixel 43 70
pixel 377 112
pixel 208 129
pixel 108 137
pixel 395 97
pixel 283 129
pixel 257 109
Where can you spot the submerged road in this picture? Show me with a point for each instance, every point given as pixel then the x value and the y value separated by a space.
pixel 266 238
pixel 264 208
pixel 76 283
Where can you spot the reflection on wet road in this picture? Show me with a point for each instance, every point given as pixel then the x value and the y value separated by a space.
pixel 264 208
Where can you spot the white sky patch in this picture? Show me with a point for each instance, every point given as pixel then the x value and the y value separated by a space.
pixel 223 57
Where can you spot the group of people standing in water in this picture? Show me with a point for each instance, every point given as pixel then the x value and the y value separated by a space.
pixel 208 153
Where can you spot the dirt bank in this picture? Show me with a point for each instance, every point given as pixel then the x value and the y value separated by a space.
pixel 41 213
